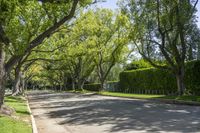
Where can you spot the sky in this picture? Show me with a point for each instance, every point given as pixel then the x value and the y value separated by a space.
pixel 112 4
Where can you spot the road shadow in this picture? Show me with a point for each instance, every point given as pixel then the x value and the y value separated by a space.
pixel 124 115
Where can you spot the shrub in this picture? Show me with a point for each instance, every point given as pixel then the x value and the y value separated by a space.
pixel 137 65
pixel 152 80
pixel 92 87
pixel 192 77
pixel 111 86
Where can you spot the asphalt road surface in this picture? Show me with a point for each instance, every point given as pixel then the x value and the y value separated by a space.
pixel 89 113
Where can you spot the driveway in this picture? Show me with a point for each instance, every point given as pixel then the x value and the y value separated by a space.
pixel 89 113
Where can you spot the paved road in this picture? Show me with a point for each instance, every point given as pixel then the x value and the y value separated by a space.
pixel 78 113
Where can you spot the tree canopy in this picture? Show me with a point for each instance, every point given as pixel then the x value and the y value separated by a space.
pixel 64 44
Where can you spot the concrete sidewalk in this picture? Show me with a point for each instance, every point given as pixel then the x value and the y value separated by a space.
pixel 81 113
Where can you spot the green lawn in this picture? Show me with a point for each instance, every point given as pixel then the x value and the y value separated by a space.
pixel 142 96
pixel 20 122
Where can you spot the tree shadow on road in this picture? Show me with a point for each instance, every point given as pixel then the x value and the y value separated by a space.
pixel 125 115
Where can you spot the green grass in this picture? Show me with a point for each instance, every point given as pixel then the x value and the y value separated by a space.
pixel 10 125
pixel 148 96
pixel 81 91
pixel 20 123
pixel 19 104
pixel 139 96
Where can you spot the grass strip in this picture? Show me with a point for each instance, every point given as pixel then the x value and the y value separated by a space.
pixel 20 122
pixel 149 96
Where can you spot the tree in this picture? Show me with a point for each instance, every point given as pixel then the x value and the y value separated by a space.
pixel 162 25
pixel 110 40
pixel 193 41
pixel 58 14
pixel 77 58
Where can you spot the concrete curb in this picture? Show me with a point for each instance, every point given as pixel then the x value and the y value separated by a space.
pixel 180 102
pixel 167 101
pixel 34 127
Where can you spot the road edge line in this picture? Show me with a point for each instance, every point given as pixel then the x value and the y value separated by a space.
pixel 34 127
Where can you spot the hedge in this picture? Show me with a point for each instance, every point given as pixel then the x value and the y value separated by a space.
pixel 192 77
pixel 157 81
pixel 96 86
pixel 92 87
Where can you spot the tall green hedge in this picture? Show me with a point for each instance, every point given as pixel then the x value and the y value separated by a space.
pixel 192 77
pixel 152 80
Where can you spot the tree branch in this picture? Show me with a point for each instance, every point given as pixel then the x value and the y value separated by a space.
pixel 38 40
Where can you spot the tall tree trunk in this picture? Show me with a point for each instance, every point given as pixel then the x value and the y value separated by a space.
pixel 103 85
pixel 22 90
pixel 22 86
pixel 60 87
pixel 73 85
pixel 180 81
pixel 65 82
pixel 16 89
pixel 2 75
pixel 80 84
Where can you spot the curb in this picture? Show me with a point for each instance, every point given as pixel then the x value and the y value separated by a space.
pixel 34 127
pixel 179 102
pixel 166 101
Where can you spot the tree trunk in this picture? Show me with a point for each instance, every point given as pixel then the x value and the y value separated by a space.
pixel 61 87
pixel 80 84
pixel 16 89
pixel 2 76
pixel 73 85
pixel 22 84
pixel 180 81
pixel 103 85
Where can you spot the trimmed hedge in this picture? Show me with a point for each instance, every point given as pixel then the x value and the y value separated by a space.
pixel 156 81
pixel 111 85
pixel 192 77
pixel 92 87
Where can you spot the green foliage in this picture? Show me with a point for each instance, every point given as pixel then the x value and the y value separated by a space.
pixel 138 64
pixel 96 86
pixel 97 40
pixel 92 87
pixel 147 79
pixel 152 79
pixel 192 77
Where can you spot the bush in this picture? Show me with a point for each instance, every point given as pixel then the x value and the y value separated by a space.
pixel 111 86
pixel 92 87
pixel 192 77
pixel 156 81
pixel 138 65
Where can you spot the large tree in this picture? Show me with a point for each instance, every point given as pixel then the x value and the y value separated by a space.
pixel 161 26
pixel 52 15
pixel 110 40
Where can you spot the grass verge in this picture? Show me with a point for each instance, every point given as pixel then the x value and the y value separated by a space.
pixel 19 122
pixel 143 96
